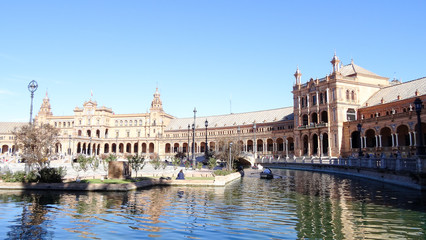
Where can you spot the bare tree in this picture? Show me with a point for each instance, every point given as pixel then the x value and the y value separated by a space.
pixel 224 146
pixel 36 143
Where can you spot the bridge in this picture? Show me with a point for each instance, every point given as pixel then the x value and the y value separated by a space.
pixel 408 172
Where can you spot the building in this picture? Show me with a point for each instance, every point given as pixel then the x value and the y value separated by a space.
pixel 322 122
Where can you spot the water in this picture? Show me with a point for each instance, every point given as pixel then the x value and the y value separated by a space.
pixel 300 205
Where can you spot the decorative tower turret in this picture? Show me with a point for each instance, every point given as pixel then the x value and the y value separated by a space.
pixel 156 104
pixel 298 76
pixel 335 62
pixel 45 111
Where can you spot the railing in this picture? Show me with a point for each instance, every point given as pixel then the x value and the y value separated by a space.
pixel 413 165
pixel 313 125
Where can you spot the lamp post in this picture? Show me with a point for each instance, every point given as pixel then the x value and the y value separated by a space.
pixel 69 145
pixel 32 87
pixel 90 146
pixel 255 143
pixel 238 144
pixel 418 104
pixel 116 143
pixel 193 139
pixel 359 131
pixel 206 123
pixel 230 156
pixel 321 147
pixel 187 147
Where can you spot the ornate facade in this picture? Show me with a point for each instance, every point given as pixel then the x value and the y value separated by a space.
pixel 322 122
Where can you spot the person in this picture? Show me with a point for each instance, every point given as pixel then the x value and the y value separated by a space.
pixel 267 171
pixel 180 175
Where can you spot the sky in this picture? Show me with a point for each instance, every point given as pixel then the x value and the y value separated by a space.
pixel 219 56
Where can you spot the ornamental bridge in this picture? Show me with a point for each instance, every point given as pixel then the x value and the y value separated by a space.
pixel 408 172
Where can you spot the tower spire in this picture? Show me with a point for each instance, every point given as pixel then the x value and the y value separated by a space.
pixel 335 62
pixel 156 104
pixel 298 76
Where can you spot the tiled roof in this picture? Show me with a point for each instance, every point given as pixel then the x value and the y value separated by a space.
pixel 235 119
pixel 352 69
pixel 404 90
pixel 8 127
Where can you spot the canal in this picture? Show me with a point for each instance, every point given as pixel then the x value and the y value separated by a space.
pixel 299 205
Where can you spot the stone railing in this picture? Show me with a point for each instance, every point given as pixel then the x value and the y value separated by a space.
pixel 414 165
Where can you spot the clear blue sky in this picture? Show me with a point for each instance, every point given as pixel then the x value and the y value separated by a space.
pixel 200 53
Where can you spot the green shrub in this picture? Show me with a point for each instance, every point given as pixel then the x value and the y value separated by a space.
pixel 51 175
pixel 199 166
pixel 187 164
pixel 212 163
pixel 176 162
pixel 222 172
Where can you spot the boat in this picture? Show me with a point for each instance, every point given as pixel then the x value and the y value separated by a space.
pixel 266 175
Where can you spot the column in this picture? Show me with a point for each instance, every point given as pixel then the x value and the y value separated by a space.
pixel 377 141
pixel 396 140
pixel 350 142
pixel 380 140
pixel 362 142
pixel 393 141
pixel 409 136
pixel 365 141
pixel 415 138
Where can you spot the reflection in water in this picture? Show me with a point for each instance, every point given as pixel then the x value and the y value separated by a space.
pixel 300 205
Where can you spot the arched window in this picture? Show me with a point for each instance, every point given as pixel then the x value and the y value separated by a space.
pixel 130 123
pixel 116 122
pixel 121 123
pixel 347 95
pixel 353 95
pixel 350 114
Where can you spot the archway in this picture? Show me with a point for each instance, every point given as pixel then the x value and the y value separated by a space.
pixel 403 137
pixel 249 146
pixel 128 148
pixel 355 139
pixel 280 144
pixel 386 137
pixel 106 148
pixel 176 147
pixel 136 148
pixel 167 148
pixel 185 147
pixel 370 138
pixel 143 147
pixel 151 148
pixel 324 116
pixel 315 144
pixel 305 145
pixel 305 119
pixel 269 145
pixel 121 148
pixel 4 149
pixel 325 144
pixel 314 117
pixel 259 145
pixel 114 148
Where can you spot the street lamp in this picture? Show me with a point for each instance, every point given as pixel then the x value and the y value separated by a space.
pixel 359 131
pixel 321 146
pixel 69 145
pixel 187 147
pixel 206 123
pixel 230 156
pixel 32 87
pixel 193 145
pixel 193 139
pixel 418 104
pixel 255 143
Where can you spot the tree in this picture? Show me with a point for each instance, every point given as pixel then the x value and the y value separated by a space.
pixel 85 163
pixel 36 143
pixel 223 153
pixel 136 163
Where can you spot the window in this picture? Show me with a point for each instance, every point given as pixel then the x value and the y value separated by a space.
pixel 130 123
pixel 347 95
pixel 350 114
pixel 314 100
pixel 353 96
pixel 321 98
